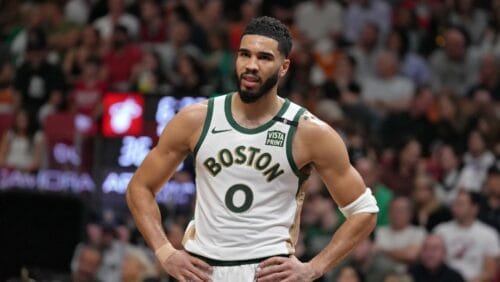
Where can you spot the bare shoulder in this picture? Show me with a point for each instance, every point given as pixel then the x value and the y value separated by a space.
pixel 311 128
pixel 186 126
pixel 316 140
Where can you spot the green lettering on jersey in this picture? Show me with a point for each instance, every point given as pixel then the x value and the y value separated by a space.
pixel 213 167
pixel 241 157
pixel 250 156
pixel 253 151
pixel 225 157
pixel 263 161
pixel 273 172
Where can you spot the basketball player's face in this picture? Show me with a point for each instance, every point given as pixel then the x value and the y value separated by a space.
pixel 259 66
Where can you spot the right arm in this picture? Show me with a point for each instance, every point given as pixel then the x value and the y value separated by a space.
pixel 176 141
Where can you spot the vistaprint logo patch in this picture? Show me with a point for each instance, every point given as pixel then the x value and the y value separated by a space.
pixel 275 138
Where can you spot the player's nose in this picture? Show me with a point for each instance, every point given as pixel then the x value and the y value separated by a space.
pixel 251 65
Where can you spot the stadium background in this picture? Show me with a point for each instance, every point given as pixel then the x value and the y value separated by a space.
pixel 411 85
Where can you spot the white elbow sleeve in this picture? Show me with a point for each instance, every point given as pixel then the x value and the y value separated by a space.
pixel 364 203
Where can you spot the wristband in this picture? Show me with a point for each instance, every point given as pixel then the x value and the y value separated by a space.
pixel 165 252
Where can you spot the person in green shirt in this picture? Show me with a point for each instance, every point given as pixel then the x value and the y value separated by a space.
pixel 382 193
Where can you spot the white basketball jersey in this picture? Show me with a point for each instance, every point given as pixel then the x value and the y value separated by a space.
pixel 248 198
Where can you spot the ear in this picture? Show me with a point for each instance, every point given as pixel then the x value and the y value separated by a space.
pixel 284 67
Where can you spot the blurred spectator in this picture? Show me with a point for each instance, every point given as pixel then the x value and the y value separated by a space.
pixel 33 19
pixel 373 264
pixel 416 121
pixel 365 51
pixel 477 160
pixel 121 59
pixel 247 11
pixel 400 241
pixel 428 211
pixel 148 76
pixel 62 34
pixel 432 266
pixel 323 224
pixel 153 28
pixel 371 175
pixel 343 75
pixel 9 99
pixel 136 266
pixel 357 112
pixel 88 47
pixel 53 105
pixel 87 93
pixel 450 165
pixel 330 112
pixel 490 41
pixel 472 246
pixel 489 211
pixel 488 78
pixel 454 67
pixel 413 18
pixel 319 19
pixel 36 79
pixel 361 12
pixel 452 123
pixel 78 10
pixel 412 65
pixel 219 62
pixel 467 16
pixel 22 147
pixel 388 92
pixel 190 79
pixel 400 173
pixel 179 42
pixel 88 262
pixel 116 16
pixel 350 274
pixel 396 276
pixel 211 16
pixel 113 252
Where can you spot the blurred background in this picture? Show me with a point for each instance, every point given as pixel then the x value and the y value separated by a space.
pixel 412 86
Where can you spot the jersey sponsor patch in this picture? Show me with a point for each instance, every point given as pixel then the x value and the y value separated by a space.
pixel 275 138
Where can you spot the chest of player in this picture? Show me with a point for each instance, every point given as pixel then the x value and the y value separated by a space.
pixel 262 154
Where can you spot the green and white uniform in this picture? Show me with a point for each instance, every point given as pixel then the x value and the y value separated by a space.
pixel 248 197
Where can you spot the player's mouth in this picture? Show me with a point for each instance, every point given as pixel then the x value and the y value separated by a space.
pixel 249 80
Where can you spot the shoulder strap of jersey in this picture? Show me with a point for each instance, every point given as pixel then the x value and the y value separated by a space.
pixel 206 125
pixel 289 142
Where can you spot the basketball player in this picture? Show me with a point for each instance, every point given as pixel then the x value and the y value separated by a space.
pixel 252 152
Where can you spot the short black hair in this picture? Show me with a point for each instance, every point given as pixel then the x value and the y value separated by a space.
pixel 474 197
pixel 272 28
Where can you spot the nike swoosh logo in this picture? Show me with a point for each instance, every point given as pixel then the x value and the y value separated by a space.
pixel 215 131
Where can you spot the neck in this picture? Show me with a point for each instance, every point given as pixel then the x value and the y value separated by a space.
pixel 257 112
pixel 398 228
pixel 465 222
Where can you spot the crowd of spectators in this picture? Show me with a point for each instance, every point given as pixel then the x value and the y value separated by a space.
pixel 413 87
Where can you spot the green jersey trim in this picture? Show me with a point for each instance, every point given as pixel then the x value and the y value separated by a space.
pixel 291 132
pixel 237 127
pixel 206 125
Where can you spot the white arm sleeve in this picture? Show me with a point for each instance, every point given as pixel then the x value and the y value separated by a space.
pixel 364 203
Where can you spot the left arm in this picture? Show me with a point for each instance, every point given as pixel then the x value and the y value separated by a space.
pixel 345 185
pixel 325 150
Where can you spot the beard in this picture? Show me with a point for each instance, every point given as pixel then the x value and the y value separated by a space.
pixel 248 96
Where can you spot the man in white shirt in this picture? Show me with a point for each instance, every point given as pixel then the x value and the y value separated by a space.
pixel 400 241
pixel 116 16
pixel 472 245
